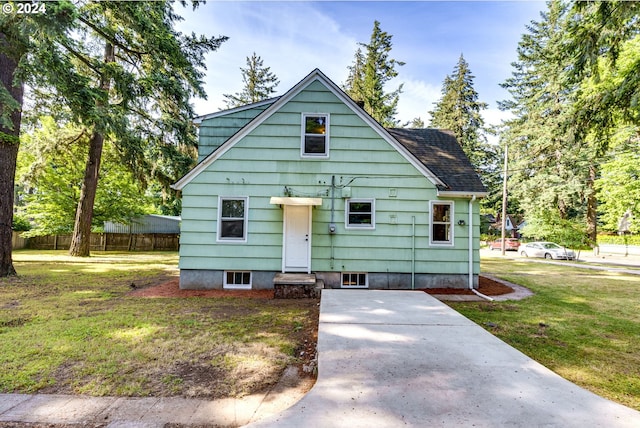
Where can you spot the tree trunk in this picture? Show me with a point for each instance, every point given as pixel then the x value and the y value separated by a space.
pixel 81 239
pixel 9 144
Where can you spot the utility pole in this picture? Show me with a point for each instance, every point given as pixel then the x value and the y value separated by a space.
pixel 504 199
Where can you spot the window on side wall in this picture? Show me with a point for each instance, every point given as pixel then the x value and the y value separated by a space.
pixel 315 138
pixel 232 219
pixel 360 214
pixel 441 226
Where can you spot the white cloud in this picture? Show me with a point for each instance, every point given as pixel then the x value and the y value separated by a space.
pixel 494 116
pixel 292 39
pixel 416 100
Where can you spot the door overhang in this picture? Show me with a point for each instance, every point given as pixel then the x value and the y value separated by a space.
pixel 285 200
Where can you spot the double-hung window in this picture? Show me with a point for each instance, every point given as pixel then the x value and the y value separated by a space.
pixel 232 219
pixel 360 214
pixel 315 135
pixel 441 223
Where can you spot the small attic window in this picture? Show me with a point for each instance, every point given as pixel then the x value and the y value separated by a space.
pixel 315 135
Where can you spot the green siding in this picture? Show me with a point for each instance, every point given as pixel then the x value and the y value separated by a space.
pixel 265 161
pixel 215 131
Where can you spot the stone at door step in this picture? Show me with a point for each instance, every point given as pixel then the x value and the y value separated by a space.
pixel 295 286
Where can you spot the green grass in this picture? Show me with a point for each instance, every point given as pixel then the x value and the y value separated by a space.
pixel 68 325
pixel 582 324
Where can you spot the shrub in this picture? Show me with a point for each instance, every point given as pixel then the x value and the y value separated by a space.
pixel 20 223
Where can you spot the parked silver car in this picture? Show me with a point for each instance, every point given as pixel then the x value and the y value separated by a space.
pixel 548 250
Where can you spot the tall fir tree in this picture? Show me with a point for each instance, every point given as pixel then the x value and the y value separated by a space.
pixel 603 38
pixel 121 70
pixel 597 33
pixel 369 73
pixel 460 111
pixel 259 83
pixel 575 90
pixel 11 110
pixel 18 35
pixel 550 167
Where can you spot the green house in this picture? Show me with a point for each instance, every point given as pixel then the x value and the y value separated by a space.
pixel 309 183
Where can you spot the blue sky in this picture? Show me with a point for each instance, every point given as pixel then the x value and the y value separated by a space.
pixel 295 37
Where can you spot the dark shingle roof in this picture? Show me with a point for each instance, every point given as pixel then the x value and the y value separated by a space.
pixel 441 153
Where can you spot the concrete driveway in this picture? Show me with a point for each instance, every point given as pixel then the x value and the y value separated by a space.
pixel 402 358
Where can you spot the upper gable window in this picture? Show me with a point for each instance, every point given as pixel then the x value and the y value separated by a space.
pixel 315 138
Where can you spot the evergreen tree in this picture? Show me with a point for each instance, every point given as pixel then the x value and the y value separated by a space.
pixel 368 75
pixel 616 139
pixel 259 83
pixel 596 34
pixel 354 86
pixel 550 167
pixel 459 111
pixel 121 70
pixel 575 91
pixel 18 34
pixel 12 95
pixel 415 123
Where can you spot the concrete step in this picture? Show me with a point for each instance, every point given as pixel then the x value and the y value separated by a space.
pixel 294 278
pixel 296 286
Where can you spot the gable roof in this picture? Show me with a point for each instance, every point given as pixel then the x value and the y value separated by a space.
pixel 199 119
pixel 439 151
pixel 406 150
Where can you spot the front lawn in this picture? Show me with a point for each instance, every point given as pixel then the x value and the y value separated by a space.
pixel 582 324
pixel 69 325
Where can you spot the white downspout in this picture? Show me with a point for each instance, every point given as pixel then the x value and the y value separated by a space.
pixel 471 201
pixel 413 252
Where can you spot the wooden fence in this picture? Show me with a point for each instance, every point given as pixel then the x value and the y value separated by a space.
pixel 17 241
pixel 111 242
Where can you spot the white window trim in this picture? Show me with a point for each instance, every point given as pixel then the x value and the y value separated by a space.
pixel 326 137
pixel 228 286
pixel 449 243
pixel 366 280
pixel 373 214
pixel 246 221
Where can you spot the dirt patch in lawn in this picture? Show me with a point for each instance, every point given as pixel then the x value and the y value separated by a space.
pixel 204 383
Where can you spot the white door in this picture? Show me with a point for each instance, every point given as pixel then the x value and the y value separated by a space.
pixel 297 239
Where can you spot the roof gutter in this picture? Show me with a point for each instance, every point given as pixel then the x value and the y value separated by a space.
pixel 462 194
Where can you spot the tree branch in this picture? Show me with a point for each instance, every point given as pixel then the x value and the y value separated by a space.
pixel 111 38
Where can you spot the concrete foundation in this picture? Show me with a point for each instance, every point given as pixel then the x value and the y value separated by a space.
pixel 192 279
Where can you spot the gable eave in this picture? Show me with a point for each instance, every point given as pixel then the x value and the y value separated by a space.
pixel 199 119
pixel 257 121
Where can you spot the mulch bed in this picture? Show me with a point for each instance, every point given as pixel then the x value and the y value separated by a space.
pixel 487 286
pixel 172 289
